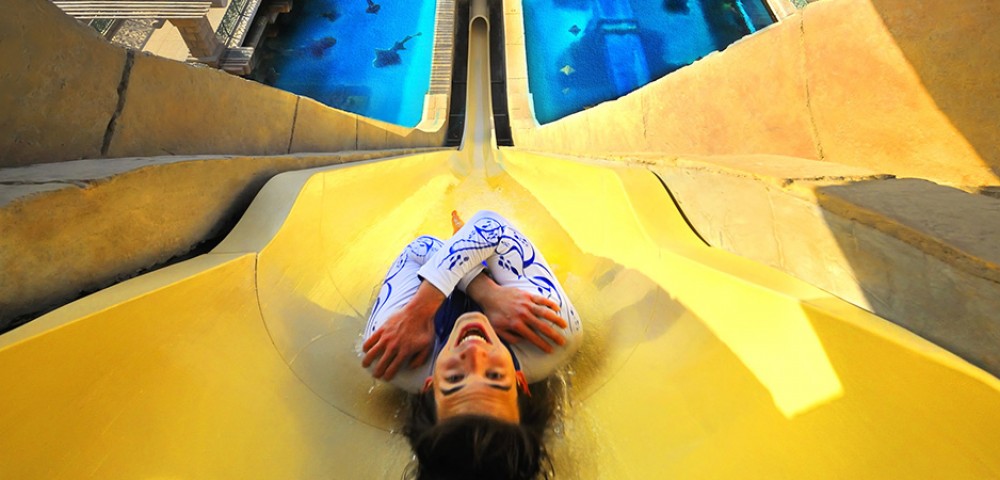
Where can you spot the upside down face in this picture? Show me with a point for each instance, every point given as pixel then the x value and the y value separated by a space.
pixel 474 373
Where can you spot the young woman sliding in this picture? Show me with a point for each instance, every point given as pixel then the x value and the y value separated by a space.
pixel 486 310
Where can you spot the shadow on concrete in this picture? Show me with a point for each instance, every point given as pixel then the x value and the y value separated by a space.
pixel 925 258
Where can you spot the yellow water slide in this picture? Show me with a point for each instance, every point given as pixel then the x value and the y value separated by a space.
pixel 242 363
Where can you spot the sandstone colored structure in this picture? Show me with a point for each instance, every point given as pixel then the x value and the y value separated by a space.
pixel 69 95
pixel 60 86
pixel 75 227
pixel 784 148
pixel 916 253
pixel 890 85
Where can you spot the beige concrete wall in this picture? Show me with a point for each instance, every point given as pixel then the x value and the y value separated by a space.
pixel 75 227
pixel 67 95
pixel 919 254
pixel 904 87
pixel 58 85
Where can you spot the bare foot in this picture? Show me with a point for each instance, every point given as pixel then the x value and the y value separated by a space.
pixel 456 221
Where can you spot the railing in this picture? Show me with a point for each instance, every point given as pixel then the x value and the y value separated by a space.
pixel 140 9
pixel 236 22
pixel 102 25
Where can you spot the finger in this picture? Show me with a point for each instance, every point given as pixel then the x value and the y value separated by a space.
pixel 384 362
pixel 528 334
pixel 374 352
pixel 372 340
pixel 509 337
pixel 420 358
pixel 546 314
pixel 394 367
pixel 548 331
pixel 548 302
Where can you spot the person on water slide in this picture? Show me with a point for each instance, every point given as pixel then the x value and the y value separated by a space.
pixel 486 310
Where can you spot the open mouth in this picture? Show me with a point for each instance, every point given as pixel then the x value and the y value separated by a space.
pixel 472 332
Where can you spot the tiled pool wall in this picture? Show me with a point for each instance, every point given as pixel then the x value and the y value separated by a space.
pixel 372 58
pixel 584 52
pixel 579 52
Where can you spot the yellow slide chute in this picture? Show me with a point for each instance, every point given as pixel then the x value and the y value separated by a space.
pixel 697 364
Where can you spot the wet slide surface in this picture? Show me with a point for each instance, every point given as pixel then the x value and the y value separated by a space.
pixel 242 363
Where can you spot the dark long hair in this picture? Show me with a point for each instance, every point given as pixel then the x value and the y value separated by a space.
pixel 482 447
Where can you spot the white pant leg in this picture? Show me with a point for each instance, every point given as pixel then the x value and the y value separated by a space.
pixel 398 288
pixel 401 282
pixel 513 261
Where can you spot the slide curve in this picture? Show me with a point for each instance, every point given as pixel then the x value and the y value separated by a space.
pixel 242 363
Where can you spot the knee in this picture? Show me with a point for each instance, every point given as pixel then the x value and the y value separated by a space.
pixel 488 215
pixel 423 246
pixel 426 241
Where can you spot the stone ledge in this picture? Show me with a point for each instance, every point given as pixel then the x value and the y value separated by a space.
pixel 944 222
pixel 955 226
pixel 76 227
pixel 10 193
pixel 83 171
pixel 777 170
pixel 921 255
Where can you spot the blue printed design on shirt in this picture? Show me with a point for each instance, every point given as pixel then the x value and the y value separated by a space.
pixel 417 251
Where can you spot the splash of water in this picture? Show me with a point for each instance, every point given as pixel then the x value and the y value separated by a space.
pixel 562 383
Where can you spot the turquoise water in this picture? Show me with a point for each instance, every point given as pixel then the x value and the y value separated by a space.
pixel 326 50
pixel 584 52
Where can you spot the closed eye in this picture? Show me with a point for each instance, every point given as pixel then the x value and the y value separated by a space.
pixel 451 390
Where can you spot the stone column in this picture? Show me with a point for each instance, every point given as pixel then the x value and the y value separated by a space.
pixel 200 38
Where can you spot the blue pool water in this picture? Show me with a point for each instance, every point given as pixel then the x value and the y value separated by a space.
pixel 583 52
pixel 325 50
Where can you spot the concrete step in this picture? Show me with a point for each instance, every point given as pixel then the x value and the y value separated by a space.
pixel 917 253
pixel 72 228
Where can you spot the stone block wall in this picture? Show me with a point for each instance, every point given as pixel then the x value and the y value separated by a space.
pixel 72 228
pixel 902 87
pixel 59 83
pixel 919 254
pixel 68 95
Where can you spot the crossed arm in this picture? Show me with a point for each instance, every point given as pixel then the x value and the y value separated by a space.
pixel 407 337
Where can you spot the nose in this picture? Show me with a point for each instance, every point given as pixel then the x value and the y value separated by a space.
pixel 474 355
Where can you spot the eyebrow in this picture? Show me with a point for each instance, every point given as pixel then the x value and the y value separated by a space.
pixel 505 388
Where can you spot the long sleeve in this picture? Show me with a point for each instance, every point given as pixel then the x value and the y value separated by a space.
pixel 461 257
